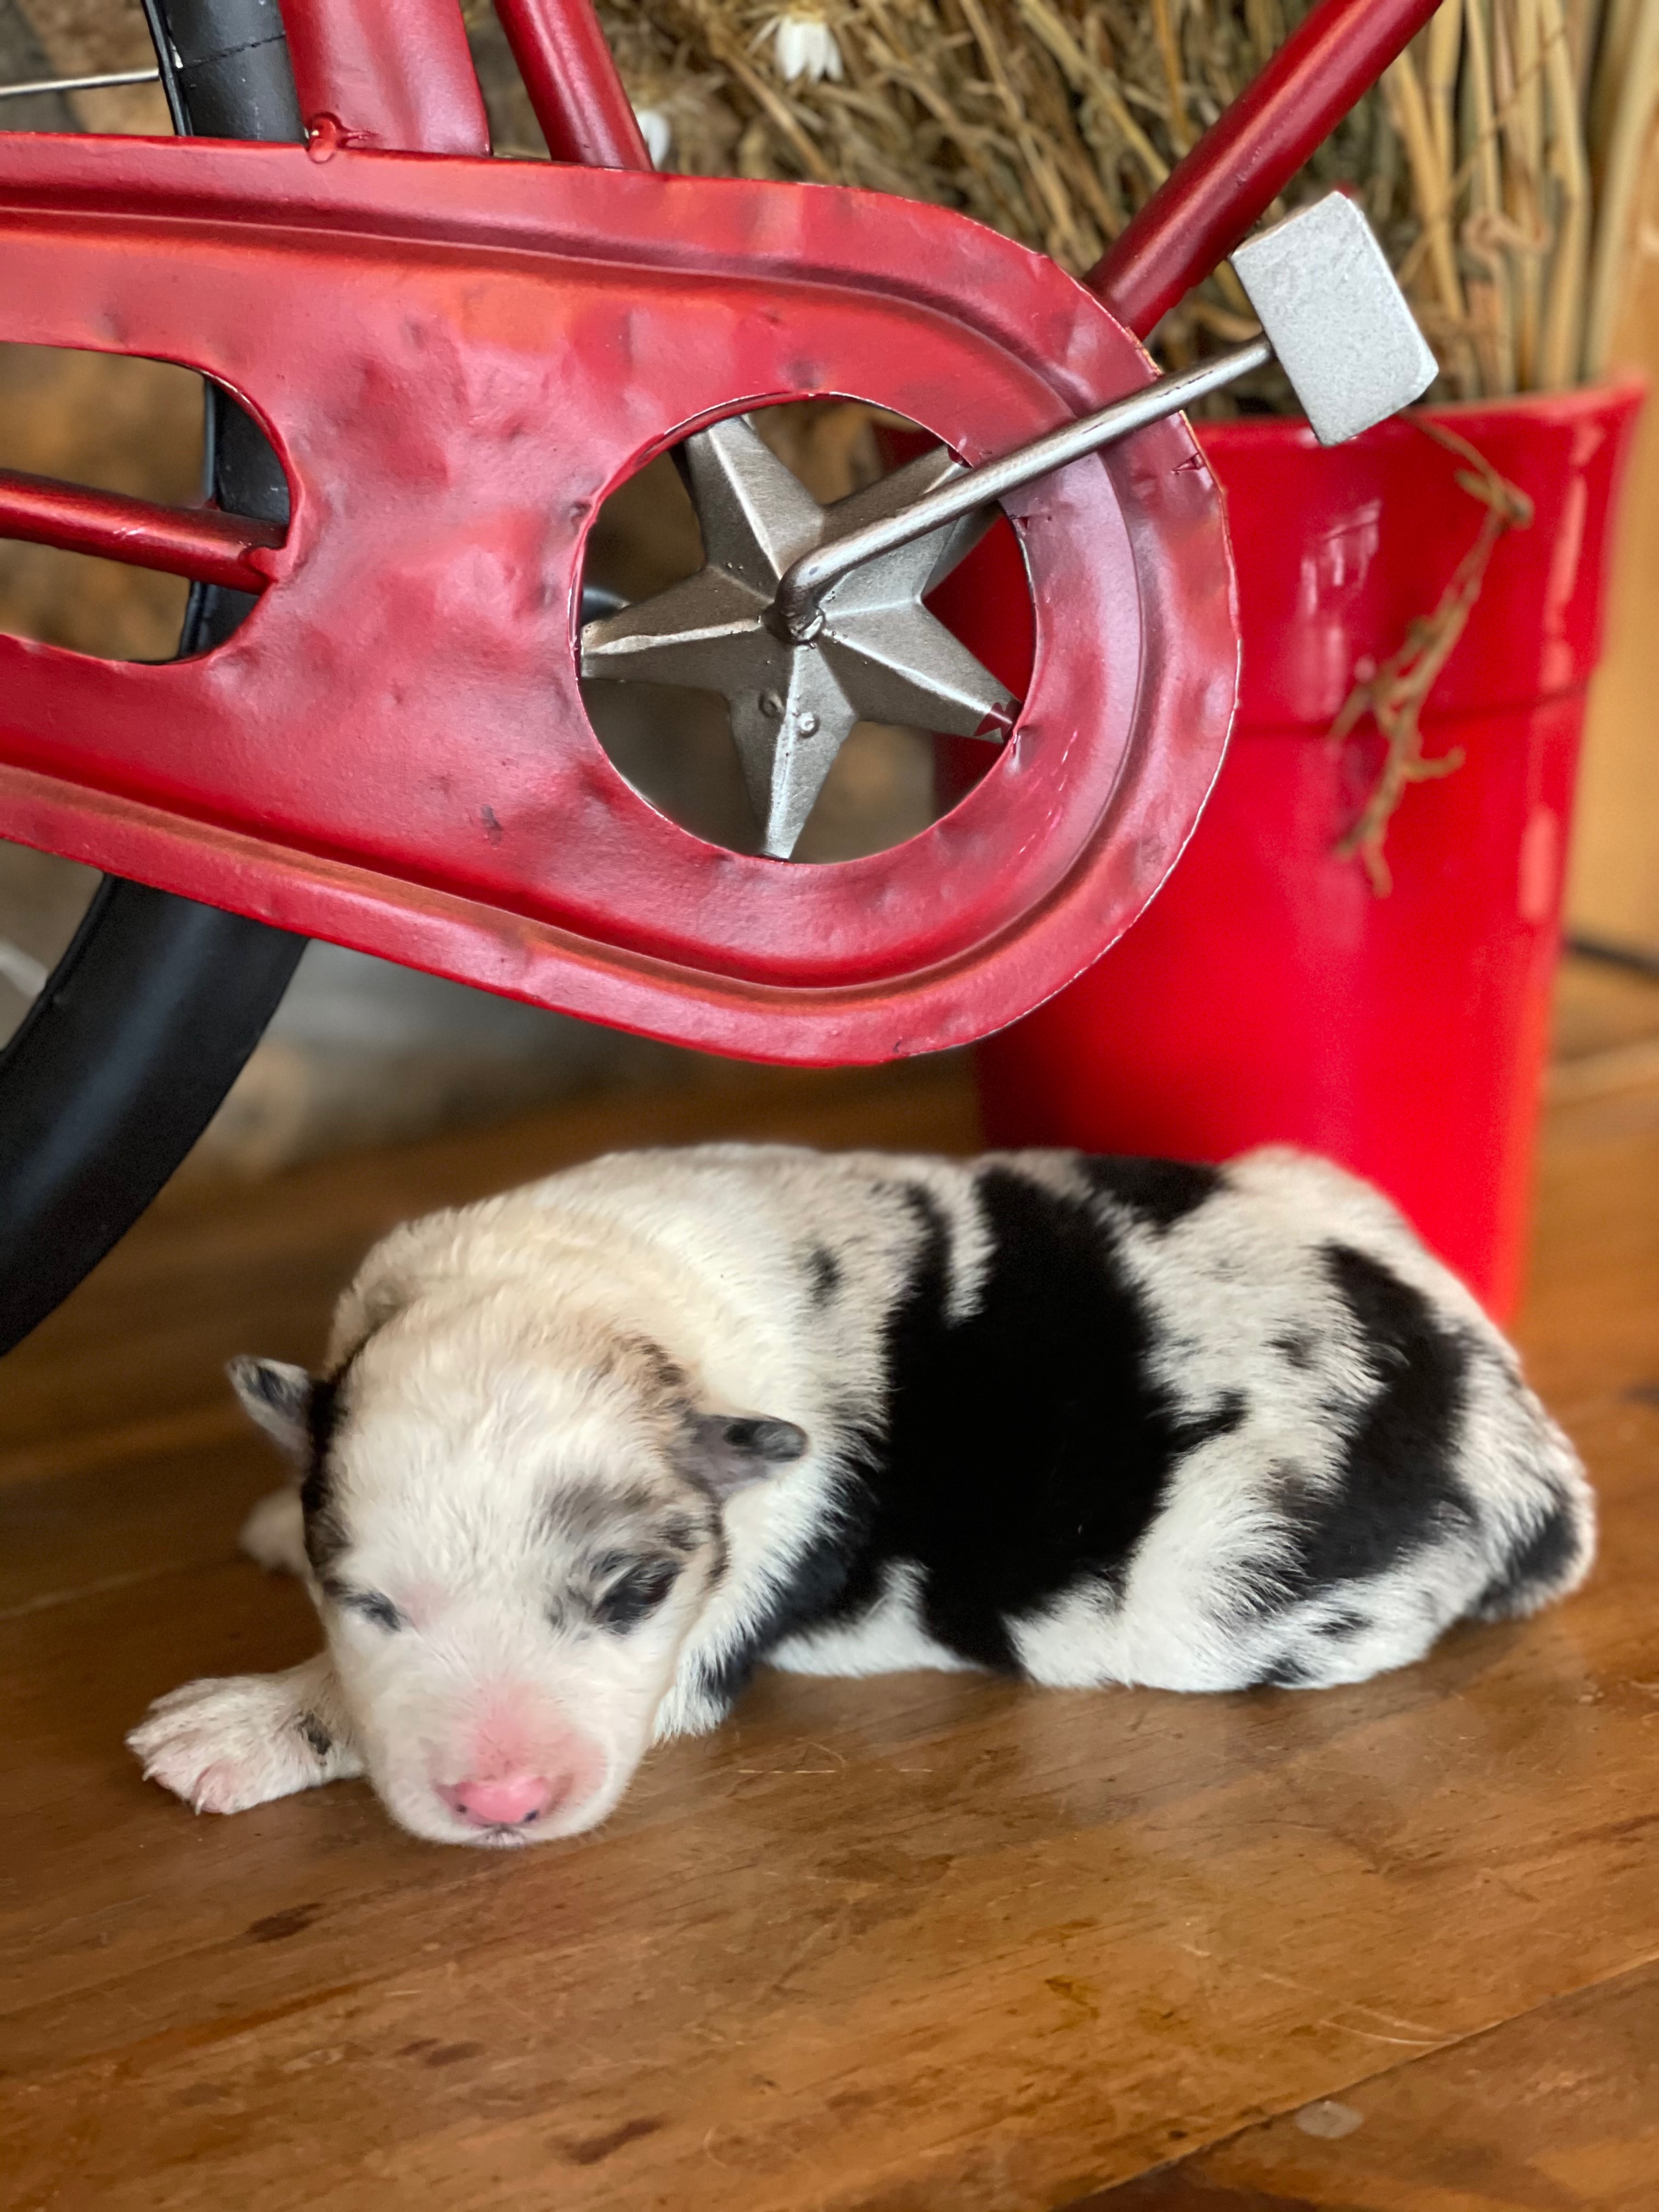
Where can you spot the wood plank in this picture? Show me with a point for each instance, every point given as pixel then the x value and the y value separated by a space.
pixel 1600 1007
pixel 1590 1325
pixel 122 1522
pixel 1614 881
pixel 1552 2111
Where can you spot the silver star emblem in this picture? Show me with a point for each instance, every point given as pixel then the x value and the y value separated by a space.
pixel 877 655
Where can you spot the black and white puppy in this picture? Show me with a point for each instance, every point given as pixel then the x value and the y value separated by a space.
pixel 585 1454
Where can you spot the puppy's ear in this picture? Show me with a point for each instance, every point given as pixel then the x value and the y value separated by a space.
pixel 278 1397
pixel 728 1452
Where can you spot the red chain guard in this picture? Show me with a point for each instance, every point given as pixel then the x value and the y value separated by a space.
pixel 457 359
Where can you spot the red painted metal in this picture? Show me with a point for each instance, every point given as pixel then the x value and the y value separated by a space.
pixel 456 362
pixel 215 548
pixel 579 98
pixel 386 73
pixel 1242 164
pixel 1268 994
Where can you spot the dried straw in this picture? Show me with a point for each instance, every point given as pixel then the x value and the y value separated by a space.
pixel 1500 163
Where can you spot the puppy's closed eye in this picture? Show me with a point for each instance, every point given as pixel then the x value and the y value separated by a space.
pixel 369 1604
pixel 635 1595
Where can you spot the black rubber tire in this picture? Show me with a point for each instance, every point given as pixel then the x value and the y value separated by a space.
pixel 149 1017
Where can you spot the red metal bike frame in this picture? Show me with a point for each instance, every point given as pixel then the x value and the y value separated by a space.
pixel 572 84
pixel 386 73
pixel 457 359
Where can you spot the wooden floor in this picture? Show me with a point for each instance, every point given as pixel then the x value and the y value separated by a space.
pixel 925 1944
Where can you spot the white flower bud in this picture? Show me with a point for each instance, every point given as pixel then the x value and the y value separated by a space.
pixel 658 133
pixel 803 45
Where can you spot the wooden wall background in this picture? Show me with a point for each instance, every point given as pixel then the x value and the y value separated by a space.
pixel 1615 888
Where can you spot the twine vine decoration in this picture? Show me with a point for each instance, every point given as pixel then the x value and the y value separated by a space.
pixel 1394 695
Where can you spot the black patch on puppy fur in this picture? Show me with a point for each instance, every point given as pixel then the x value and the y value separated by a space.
pixel 325 1534
pixel 315 1734
pixel 1538 1566
pixel 824 1269
pixel 1162 1192
pixel 1022 1447
pixel 1188 1433
pixel 322 1418
pixel 774 1442
pixel 1398 1489
pixel 1342 1626
pixel 811 1594
pixel 324 1537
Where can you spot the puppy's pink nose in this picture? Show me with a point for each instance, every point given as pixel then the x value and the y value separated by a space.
pixel 513 1804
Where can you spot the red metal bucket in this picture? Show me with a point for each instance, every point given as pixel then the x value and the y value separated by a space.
pixel 1269 994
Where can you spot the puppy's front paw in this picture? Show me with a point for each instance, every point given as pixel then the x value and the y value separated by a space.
pixel 227 1744
pixel 274 1532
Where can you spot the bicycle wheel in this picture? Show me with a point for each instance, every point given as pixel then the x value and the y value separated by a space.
pixel 149 1017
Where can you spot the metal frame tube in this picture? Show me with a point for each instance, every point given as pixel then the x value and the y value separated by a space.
pixel 392 73
pixel 199 543
pixel 574 84
pixel 800 591
pixel 1244 160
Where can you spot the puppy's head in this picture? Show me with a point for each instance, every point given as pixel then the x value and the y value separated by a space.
pixel 512 1527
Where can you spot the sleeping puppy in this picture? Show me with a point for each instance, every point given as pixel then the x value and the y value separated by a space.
pixel 583 1455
